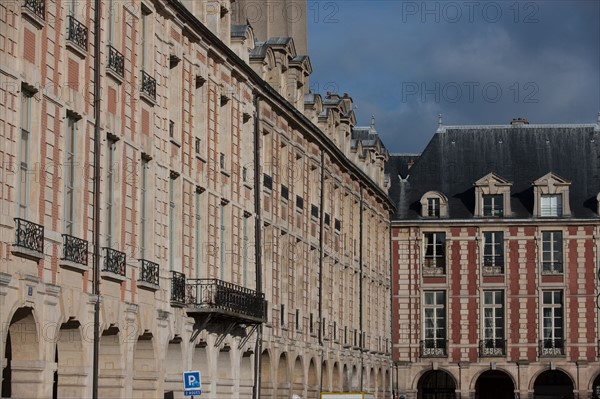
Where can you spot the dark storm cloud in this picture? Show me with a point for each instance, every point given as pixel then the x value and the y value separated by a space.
pixel 476 62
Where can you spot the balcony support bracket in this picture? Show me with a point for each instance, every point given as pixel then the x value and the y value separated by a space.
pixel 221 338
pixel 200 325
pixel 247 337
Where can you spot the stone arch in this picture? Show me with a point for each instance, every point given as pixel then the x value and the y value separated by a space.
pixel 145 370
pixel 482 371
pixel 266 381
pixel 71 361
pixel 419 376
pixel 436 384
pixel 246 374
pixel 494 384
pixel 201 361
pixel 22 349
pixel 224 376
pixel 345 378
pixel 111 361
pixel 312 379
pixel 594 387
pixel 372 380
pixel 387 383
pixel 325 376
pixel 553 382
pixel 335 378
pixel 283 385
pixel 355 378
pixel 173 362
pixel 299 379
pixel 380 386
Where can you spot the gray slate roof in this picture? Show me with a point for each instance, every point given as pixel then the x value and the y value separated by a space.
pixel 456 157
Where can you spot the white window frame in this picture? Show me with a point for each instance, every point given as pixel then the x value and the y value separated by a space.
pixel 552 252
pixel 24 149
pixel 431 345
pixel 551 205
pixel 69 175
pixel 493 322
pixel 552 332
pixel 110 188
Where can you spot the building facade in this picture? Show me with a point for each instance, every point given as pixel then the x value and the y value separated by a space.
pixel 495 246
pixel 239 226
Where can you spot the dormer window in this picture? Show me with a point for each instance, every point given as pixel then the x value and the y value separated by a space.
pixel 434 205
pixel 492 196
pixel 551 196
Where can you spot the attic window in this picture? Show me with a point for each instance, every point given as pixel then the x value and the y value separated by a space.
pixel 492 196
pixel 551 196
pixel 551 205
pixel 493 205
pixel 434 205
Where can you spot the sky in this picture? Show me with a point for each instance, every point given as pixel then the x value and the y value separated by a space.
pixel 474 62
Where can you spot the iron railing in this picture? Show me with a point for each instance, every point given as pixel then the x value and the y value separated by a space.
pixel 149 272
pixel 77 32
pixel 552 267
pixel 75 249
pixel 492 270
pixel 178 288
pixel 267 181
pixel 492 347
pixel 434 266
pixel 433 348
pixel 29 235
pixel 114 261
pixel 116 61
pixel 220 296
pixel 38 7
pixel 148 85
pixel 551 347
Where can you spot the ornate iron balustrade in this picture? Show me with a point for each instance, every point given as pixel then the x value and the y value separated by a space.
pixel 267 181
pixel 221 296
pixel 492 347
pixel 149 272
pixel 178 288
pixel 148 85
pixel 75 249
pixel 77 32
pixel 114 261
pixel 493 270
pixel 551 347
pixel 433 348
pixel 38 7
pixel 434 267
pixel 116 61
pixel 552 268
pixel 29 235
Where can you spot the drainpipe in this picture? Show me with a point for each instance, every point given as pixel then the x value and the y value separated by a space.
pixel 96 238
pixel 257 243
pixel 391 326
pixel 320 295
pixel 360 285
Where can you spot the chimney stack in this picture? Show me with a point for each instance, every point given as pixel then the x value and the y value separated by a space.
pixel 519 122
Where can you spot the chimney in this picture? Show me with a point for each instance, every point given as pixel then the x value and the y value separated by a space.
pixel 519 122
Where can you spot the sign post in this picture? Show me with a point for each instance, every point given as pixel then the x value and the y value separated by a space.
pixel 191 383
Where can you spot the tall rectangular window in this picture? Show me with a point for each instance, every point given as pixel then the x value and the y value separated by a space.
pixel 198 234
pixel 111 21
pixel 69 173
pixel 144 39
pixel 222 240
pixel 552 323
pixel 552 252
pixel 23 184
pixel 245 253
pixel 144 206
pixel 493 205
pixel 172 222
pixel 433 207
pixel 110 189
pixel 493 323
pixel 434 324
pixel 435 253
pixel 493 252
pixel 551 205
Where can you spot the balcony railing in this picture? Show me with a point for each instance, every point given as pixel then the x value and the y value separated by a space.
pixel 149 272
pixel 178 288
pixel 38 7
pixel 75 250
pixel 492 347
pixel 116 61
pixel 114 261
pixel 552 268
pixel 148 85
pixel 226 299
pixel 551 347
pixel 29 235
pixel 77 32
pixel 492 270
pixel 433 348
pixel 434 267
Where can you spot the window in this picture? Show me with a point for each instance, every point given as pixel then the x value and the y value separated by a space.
pixel 552 252
pixel 70 175
pixel 493 324
pixel 435 253
pixel 222 241
pixel 144 38
pixel 197 145
pixel 434 324
pixel 23 184
pixel 111 21
pixel 493 252
pixel 198 233
pixel 110 190
pixel 171 129
pixel 433 207
pixel 552 324
pixel 551 205
pixel 245 251
pixel 172 178
pixel 143 206
pixel 493 205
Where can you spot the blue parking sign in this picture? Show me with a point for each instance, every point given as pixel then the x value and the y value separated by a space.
pixel 191 383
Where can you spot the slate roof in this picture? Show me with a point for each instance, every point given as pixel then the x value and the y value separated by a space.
pixel 456 157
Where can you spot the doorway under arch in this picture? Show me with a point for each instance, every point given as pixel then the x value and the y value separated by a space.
pixel 494 384
pixel 436 384
pixel 596 387
pixel 553 384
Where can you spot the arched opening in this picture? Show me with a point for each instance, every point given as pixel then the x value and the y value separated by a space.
pixel 298 375
pixel 201 363
pixel 111 364
pixel 553 384
pixel 335 377
pixel 372 381
pixel 345 379
pixel 174 368
pixel 71 362
pixel 436 384
pixel 386 384
pixel 6 371
pixel 380 386
pixel 355 381
pixel 266 382
pixel 144 367
pixel 283 383
pixel 246 373
pixel 225 383
pixel 596 388
pixel 312 381
pixel 325 377
pixel 494 384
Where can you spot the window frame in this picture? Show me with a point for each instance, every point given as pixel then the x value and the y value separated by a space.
pixel 436 344
pixel 554 239
pixel 493 263
pixel 434 261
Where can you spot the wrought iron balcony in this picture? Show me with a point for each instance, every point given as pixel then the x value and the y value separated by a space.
pixel 38 7
pixel 492 270
pixel 552 268
pixel 149 272
pixel 148 86
pixel 116 61
pixel 492 347
pixel 226 300
pixel 434 267
pixel 551 347
pixel 114 261
pixel 178 289
pixel 75 249
pixel 29 235
pixel 433 348
pixel 77 32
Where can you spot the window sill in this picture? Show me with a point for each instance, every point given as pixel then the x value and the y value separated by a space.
pixel 148 286
pixel 175 142
pixel 75 48
pixel 113 74
pixel 200 158
pixel 151 101
pixel 248 185
pixel 225 173
pixel 27 253
pixel 35 19
pixel 78 267
pixel 112 276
